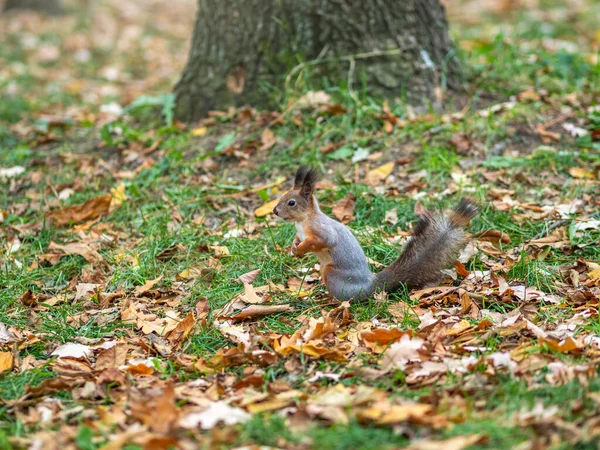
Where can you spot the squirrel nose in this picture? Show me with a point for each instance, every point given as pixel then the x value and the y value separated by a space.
pixel 275 211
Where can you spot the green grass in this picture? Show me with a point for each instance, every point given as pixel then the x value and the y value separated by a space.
pixel 165 199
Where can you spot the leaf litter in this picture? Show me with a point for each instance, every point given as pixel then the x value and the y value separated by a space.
pixel 281 346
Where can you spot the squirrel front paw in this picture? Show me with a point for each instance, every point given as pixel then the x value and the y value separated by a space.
pixel 295 245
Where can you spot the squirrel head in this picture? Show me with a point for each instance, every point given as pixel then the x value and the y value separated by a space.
pixel 297 204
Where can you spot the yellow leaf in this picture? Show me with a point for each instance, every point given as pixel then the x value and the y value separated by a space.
pixel 580 172
pixel 185 274
pixel 199 131
pixel 118 196
pixel 265 209
pixel 6 361
pixel 379 174
pixel 594 274
pixel 147 286
pixel 220 250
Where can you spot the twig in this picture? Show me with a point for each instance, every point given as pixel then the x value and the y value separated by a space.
pixel 545 231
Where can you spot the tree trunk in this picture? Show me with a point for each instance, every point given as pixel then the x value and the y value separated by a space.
pixel 398 50
pixel 48 6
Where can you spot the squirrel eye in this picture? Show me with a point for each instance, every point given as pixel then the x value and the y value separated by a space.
pixel 292 202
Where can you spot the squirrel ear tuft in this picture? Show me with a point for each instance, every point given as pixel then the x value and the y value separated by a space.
pixel 300 175
pixel 305 181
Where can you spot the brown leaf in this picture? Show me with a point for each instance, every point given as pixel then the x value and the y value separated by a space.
pixel 89 250
pixel 158 412
pixel 112 357
pixel 461 143
pixel 380 338
pixel 202 308
pixel 250 295
pixel 28 299
pixel 249 277
pixel 254 311
pixel 344 209
pixel 52 385
pixel 89 210
pixel 494 236
pixel 267 139
pixel 182 330
pixel 147 286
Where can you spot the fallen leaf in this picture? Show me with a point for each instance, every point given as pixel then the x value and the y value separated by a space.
pixel 118 196
pixel 179 334
pixel 216 413
pixel 147 286
pixel 266 209
pixel 250 295
pixel 344 209
pixel 28 299
pixel 267 139
pixel 90 210
pixel 400 353
pixel 6 361
pixel 581 172
pixel 454 443
pixel 391 216
pixel 158 412
pixel 249 277
pixel 73 350
pixel 197 132
pixel 235 333
pixel 6 336
pixel 313 99
pixel 84 290
pixel 113 357
pixel 254 311
pixel 494 236
pixel 379 174
pixel 89 250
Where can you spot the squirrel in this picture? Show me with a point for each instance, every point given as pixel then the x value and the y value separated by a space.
pixel 434 245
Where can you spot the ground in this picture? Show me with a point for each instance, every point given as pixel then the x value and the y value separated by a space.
pixel 148 299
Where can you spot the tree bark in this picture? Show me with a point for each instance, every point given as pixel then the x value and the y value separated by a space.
pixel 47 6
pixel 398 50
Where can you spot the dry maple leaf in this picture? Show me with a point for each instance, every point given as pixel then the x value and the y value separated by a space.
pixel 344 209
pixel 147 286
pixel 111 358
pixel 90 210
pixel 159 412
pixel 89 250
pixel 180 333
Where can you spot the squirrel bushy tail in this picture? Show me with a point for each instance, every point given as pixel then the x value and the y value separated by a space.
pixel 436 241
